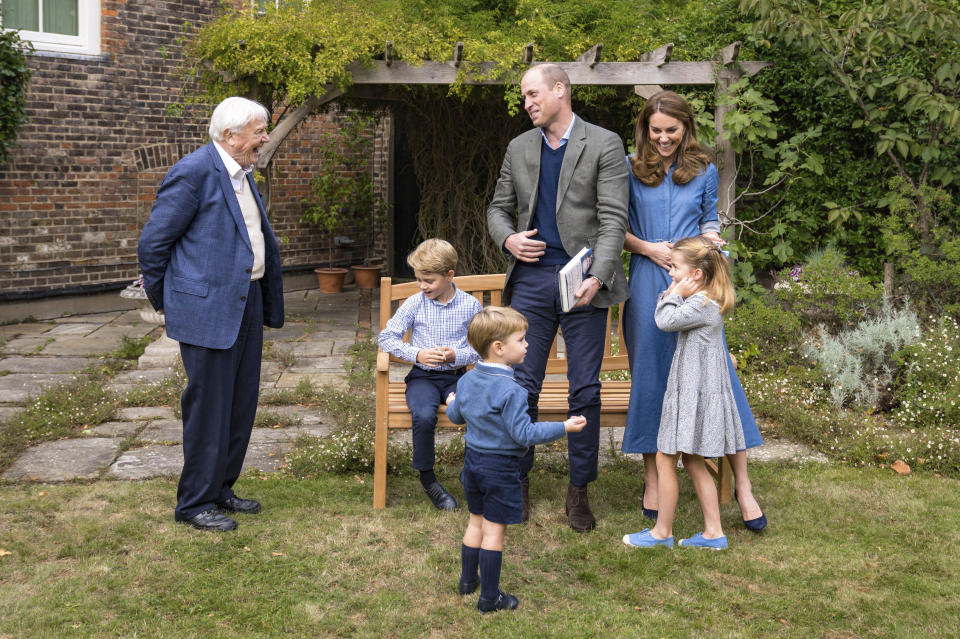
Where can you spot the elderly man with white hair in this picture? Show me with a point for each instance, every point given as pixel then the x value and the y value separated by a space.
pixel 211 264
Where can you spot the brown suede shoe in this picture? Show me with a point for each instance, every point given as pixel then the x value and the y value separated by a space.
pixel 578 509
pixel 525 495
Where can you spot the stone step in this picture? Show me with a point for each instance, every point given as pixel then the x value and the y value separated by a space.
pixel 162 353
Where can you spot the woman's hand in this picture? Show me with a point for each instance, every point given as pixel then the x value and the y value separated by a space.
pixel 659 252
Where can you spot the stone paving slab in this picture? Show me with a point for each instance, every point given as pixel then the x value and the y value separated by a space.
pixel 26 345
pixel 73 329
pixel 44 364
pixel 266 457
pixel 163 431
pixel 312 349
pixel 31 329
pixel 290 331
pixel 64 460
pixel 147 462
pixel 18 387
pixel 307 415
pixel 80 345
pixel 93 318
pixel 269 372
pixel 117 333
pixel 6 412
pixel 292 380
pixel 117 429
pixel 148 376
pixel 145 413
pixel 332 364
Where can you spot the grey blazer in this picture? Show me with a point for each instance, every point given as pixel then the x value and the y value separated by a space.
pixel 592 197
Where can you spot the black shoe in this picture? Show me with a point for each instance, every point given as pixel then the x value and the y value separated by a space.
pixel 579 515
pixel 525 498
pixel 211 520
pixel 237 505
pixel 440 497
pixel 467 588
pixel 502 602
pixel 649 513
pixel 756 525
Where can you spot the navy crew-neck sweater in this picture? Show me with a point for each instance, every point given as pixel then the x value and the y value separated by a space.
pixel 545 214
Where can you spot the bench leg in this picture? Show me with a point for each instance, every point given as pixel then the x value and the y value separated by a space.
pixel 380 468
pixel 723 473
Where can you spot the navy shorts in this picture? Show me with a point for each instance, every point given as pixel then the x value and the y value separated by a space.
pixel 491 484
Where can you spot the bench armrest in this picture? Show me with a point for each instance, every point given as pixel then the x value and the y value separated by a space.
pixel 383 362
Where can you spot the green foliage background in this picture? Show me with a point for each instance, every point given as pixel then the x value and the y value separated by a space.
pixel 813 169
pixel 14 76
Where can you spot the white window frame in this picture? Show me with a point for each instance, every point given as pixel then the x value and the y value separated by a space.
pixel 87 40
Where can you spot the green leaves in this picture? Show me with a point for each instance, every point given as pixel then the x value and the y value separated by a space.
pixel 14 76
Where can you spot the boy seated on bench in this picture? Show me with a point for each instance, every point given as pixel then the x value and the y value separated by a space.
pixel 439 317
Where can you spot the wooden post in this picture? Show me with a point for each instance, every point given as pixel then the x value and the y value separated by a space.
pixel 727 74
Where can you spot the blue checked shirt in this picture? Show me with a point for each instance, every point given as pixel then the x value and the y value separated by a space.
pixel 433 324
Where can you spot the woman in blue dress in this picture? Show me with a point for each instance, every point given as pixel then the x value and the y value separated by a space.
pixel 673 194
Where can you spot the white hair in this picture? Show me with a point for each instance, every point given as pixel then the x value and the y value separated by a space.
pixel 233 114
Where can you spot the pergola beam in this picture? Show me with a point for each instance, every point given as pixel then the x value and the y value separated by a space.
pixel 581 73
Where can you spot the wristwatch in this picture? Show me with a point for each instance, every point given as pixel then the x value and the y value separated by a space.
pixel 602 285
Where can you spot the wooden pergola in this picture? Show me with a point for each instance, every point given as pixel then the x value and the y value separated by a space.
pixel 647 75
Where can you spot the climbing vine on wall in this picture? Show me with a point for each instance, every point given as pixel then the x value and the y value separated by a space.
pixel 14 77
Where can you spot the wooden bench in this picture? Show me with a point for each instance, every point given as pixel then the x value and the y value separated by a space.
pixel 392 411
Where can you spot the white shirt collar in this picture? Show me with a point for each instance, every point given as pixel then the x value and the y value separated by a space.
pixel 565 137
pixel 234 170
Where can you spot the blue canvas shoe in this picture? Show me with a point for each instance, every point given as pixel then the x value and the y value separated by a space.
pixel 699 541
pixel 645 539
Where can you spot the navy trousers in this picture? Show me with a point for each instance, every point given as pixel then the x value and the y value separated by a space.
pixel 219 406
pixel 426 390
pixel 536 295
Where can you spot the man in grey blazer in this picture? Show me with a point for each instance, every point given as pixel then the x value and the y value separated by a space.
pixel 563 186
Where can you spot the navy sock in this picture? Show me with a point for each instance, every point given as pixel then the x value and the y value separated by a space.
pixel 427 477
pixel 490 562
pixel 469 561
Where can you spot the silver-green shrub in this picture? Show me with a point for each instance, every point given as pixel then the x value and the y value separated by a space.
pixel 857 363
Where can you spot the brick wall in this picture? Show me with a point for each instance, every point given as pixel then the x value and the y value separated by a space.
pixel 81 182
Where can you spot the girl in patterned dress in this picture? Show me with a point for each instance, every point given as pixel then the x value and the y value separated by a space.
pixel 699 416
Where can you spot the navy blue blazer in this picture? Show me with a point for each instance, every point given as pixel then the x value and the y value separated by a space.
pixel 196 258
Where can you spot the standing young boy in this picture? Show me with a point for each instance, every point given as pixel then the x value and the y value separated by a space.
pixel 499 431
pixel 438 316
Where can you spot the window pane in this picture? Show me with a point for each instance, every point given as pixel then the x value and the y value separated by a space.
pixel 21 14
pixel 60 16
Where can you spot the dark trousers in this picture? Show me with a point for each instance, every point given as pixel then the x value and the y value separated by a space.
pixel 219 406
pixel 426 390
pixel 537 296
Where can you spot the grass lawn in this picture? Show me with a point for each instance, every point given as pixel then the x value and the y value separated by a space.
pixel 849 553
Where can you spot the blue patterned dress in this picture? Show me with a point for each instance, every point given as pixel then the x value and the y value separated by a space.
pixel 667 212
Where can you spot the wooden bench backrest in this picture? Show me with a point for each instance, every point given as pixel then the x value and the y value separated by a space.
pixel 487 289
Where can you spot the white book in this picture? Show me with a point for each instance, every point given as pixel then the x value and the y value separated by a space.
pixel 572 275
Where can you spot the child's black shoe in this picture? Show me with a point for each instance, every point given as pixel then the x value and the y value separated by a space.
pixel 502 602
pixel 466 588
pixel 441 499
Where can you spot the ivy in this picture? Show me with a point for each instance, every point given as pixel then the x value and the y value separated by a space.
pixel 14 76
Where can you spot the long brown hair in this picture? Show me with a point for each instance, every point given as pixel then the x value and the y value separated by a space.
pixel 701 253
pixel 689 159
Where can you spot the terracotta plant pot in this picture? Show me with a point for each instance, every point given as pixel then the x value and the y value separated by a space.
pixel 330 280
pixel 367 276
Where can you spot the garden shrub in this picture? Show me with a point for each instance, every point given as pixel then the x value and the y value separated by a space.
pixel 762 336
pixel 858 364
pixel 928 387
pixel 13 89
pixel 826 291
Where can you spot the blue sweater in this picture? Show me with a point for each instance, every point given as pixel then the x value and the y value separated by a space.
pixel 545 214
pixel 494 408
